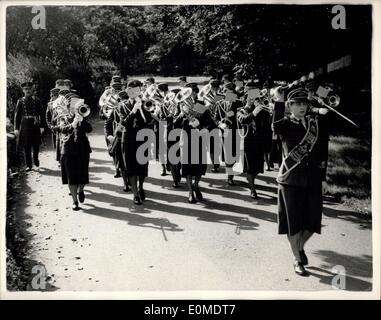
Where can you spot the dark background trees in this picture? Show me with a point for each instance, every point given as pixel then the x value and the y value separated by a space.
pixel 89 43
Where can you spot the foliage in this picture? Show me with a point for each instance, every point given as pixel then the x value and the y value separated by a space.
pixel 349 169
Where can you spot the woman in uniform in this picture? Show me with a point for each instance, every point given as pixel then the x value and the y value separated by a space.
pixel 301 173
pixel 226 119
pixel 255 117
pixel 75 154
pixel 198 121
pixel 134 117
pixel 114 131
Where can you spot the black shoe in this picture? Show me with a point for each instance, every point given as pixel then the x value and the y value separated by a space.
pixel 137 201
pixel 126 189
pixel 142 194
pixel 117 174
pixel 268 169
pixel 37 163
pixel 231 182
pixel 253 194
pixel 176 185
pixel 75 206
pixel 198 193
pixel 192 199
pixel 299 269
pixel 303 258
pixel 164 173
pixel 81 196
pixel 28 169
pixel 215 170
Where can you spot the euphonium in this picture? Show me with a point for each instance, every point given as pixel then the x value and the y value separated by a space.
pixel 184 97
pixel 169 102
pixel 156 97
pixel 206 94
pixel 148 92
pixel 264 101
pixel 109 104
pixel 60 109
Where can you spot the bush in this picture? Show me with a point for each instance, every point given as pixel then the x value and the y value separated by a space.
pixel 349 170
pixel 20 69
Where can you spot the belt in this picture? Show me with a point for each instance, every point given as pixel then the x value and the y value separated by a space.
pixel 29 117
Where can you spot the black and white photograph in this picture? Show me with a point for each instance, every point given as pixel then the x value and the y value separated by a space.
pixel 189 149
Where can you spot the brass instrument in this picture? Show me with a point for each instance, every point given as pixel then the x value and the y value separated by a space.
pixel 110 103
pixel 325 97
pixel 185 99
pixel 206 94
pixel 225 107
pixel 264 101
pixel 78 106
pixel 170 104
pixel 60 109
pixel 147 99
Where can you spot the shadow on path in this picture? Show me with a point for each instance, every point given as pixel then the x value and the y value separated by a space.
pixel 362 222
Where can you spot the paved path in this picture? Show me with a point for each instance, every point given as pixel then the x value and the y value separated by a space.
pixel 228 242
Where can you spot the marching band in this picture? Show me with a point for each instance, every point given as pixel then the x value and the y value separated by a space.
pixel 281 124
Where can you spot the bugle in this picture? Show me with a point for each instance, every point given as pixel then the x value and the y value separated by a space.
pixel 327 99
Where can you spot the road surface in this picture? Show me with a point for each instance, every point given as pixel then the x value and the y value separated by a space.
pixel 227 242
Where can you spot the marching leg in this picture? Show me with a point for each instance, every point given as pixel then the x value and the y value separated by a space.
pixel 191 198
pixel 294 241
pixel 28 156
pixel 134 187
pixel 250 180
pixel 125 181
pixel 175 176
pixel 81 194
pixel 197 189
pixel 141 189
pixel 73 191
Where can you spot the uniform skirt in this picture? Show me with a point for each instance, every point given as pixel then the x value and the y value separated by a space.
pixel 254 155
pixel 299 209
pixel 131 165
pixel 75 168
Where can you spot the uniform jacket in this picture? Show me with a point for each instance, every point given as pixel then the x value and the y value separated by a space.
pixel 313 167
